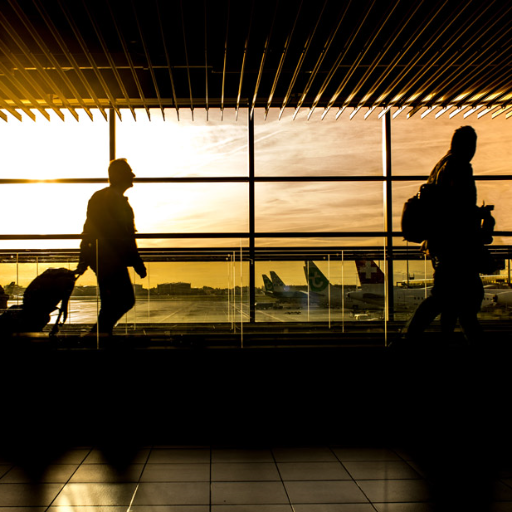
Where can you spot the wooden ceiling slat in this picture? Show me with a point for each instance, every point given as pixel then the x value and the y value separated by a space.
pixel 167 57
pixel 359 59
pixel 148 60
pixel 224 61
pixel 5 106
pixel 56 66
pixel 187 64
pixel 206 60
pixel 408 94
pixel 70 58
pixel 262 60
pixel 284 53
pixel 319 62
pixel 355 56
pixel 300 61
pixel 40 69
pixel 400 56
pixel 244 59
pixel 465 68
pixel 86 52
pixel 107 54
pixel 128 58
pixel 16 64
pixel 17 101
pixel 389 47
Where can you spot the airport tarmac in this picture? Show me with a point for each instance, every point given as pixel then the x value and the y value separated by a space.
pixel 207 310
pixel 215 310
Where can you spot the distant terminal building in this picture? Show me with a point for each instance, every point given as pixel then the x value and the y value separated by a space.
pixel 174 289
pixel 138 290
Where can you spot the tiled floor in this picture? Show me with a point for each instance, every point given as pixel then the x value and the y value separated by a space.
pixel 227 479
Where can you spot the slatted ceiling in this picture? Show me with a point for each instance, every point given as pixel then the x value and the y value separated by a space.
pixel 356 58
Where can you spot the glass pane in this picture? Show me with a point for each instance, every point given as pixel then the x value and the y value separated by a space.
pixel 22 269
pixel 286 294
pixel 413 280
pixel 190 207
pixel 418 144
pixel 173 298
pixel 316 147
pixel 233 244
pixel 495 193
pixel 184 148
pixel 61 208
pixel 320 206
pixel 412 284
pixel 321 294
pixel 55 149
pixel 328 243
pixel 46 208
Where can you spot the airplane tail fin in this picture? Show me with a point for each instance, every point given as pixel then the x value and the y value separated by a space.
pixel 269 287
pixel 277 282
pixel 369 273
pixel 317 282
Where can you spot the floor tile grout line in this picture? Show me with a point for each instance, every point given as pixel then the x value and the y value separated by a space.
pixel 211 483
pixel 353 479
pixel 292 508
pixel 69 479
pixel 139 479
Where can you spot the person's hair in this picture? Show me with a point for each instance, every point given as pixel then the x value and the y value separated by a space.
pixel 118 169
pixel 463 138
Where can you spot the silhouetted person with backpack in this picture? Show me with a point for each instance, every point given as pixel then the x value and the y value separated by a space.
pixel 455 246
pixel 109 247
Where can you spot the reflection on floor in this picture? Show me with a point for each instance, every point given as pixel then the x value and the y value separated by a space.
pixel 335 429
pixel 243 479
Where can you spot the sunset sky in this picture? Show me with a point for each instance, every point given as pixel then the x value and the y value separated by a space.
pixel 218 148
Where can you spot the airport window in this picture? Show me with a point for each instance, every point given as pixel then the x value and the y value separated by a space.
pixel 185 148
pixel 57 208
pixel 54 149
pixel 189 207
pixel 318 213
pixel 299 146
pixel 419 143
pixel 319 206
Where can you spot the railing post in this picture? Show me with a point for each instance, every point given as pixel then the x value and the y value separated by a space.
pixel 388 211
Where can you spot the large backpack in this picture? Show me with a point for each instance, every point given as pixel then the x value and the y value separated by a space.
pixel 419 214
pixel 40 299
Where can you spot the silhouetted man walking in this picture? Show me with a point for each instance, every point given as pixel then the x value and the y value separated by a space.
pixel 109 247
pixel 455 246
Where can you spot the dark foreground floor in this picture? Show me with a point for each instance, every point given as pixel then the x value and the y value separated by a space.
pixel 256 430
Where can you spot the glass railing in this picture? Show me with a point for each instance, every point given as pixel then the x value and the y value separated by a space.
pixel 312 293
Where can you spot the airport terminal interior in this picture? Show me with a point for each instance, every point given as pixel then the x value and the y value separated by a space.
pixel 263 366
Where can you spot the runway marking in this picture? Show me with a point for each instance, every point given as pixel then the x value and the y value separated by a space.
pixel 270 316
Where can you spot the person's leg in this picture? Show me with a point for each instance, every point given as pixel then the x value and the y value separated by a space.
pixel 422 318
pixel 117 298
pixel 449 317
pixel 470 307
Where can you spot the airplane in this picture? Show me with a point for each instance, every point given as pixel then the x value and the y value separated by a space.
pixel 269 287
pixel 497 297
pixel 372 292
pixel 370 296
pixel 286 292
pixel 320 289
pixel 276 288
